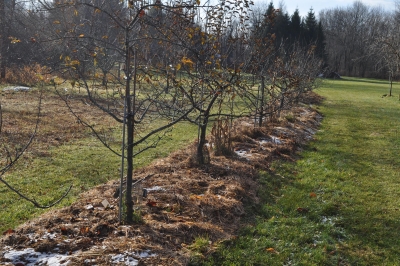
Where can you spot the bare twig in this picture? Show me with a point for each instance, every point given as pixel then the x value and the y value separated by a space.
pixel 13 160
pixel 81 121
pixel 34 202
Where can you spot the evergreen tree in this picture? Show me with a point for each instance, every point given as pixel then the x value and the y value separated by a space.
pixel 310 27
pixel 269 22
pixel 295 26
pixel 282 25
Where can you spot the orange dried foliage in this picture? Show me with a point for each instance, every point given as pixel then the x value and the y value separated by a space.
pixel 27 75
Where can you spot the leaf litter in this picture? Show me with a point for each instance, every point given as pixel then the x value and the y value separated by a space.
pixel 183 201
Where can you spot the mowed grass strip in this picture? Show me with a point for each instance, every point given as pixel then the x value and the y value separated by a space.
pixel 339 204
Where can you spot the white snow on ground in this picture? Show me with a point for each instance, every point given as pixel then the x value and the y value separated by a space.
pixel 123 258
pixel 155 188
pixel 243 153
pixel 29 257
pixel 128 260
pixel 18 88
pixel 274 140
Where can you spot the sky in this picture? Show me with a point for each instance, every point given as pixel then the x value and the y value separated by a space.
pixel 318 5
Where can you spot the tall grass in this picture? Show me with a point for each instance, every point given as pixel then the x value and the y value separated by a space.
pixel 339 204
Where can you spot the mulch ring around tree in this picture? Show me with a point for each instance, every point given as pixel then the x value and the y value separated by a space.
pixel 183 201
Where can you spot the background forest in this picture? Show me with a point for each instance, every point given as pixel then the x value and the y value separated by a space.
pixel 356 40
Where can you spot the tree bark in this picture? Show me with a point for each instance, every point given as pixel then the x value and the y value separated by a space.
pixel 262 102
pixel 202 142
pixel 130 132
pixel 3 40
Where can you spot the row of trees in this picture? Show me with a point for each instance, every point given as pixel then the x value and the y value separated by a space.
pixel 346 38
pixel 165 62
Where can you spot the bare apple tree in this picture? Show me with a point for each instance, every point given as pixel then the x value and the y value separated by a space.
pixel 97 40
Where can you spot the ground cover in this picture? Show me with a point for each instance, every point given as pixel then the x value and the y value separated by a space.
pixel 338 204
pixel 185 204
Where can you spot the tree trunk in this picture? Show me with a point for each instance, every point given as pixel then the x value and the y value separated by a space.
pixel 130 132
pixel 262 102
pixel 104 80
pixel 3 40
pixel 201 159
pixel 202 141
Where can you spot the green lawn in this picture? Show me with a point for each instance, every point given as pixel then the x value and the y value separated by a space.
pixel 339 204
pixel 82 163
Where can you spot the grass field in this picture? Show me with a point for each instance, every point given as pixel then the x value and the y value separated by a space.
pixel 47 169
pixel 339 204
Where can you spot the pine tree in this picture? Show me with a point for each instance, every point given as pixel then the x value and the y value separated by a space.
pixel 310 27
pixel 295 26
pixel 282 26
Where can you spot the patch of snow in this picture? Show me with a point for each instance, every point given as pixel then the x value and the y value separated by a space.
pixel 144 254
pixel 243 153
pixel 272 139
pixel 29 257
pixel 124 258
pixel 155 188
pixel 17 88
pixel 49 236
pixel 276 140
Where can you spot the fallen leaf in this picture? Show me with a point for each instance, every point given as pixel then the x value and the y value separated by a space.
pixel 151 203
pixel 8 232
pixel 272 250
pixel 313 195
pixel 84 230
pixel 302 210
pixel 64 230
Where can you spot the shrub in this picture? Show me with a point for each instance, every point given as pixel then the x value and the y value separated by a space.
pixel 27 75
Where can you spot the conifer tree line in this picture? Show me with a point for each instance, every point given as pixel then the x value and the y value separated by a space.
pixel 290 30
pixel 353 40
pixel 344 37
